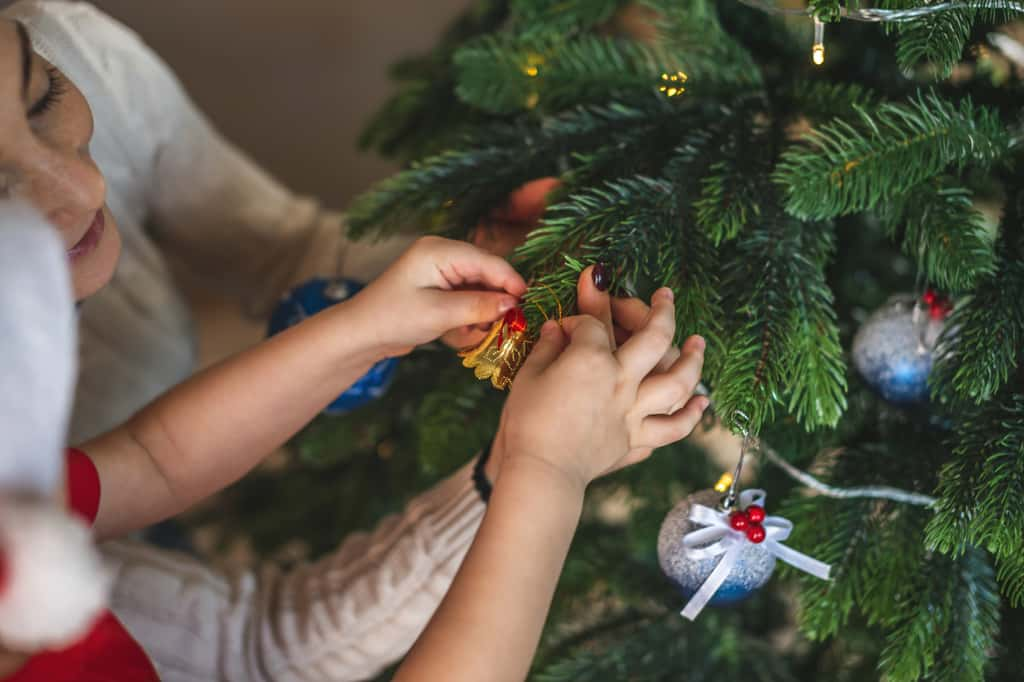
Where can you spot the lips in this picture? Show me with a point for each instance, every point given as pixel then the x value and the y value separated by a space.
pixel 87 244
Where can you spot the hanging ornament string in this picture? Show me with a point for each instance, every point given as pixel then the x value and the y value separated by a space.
pixel 730 498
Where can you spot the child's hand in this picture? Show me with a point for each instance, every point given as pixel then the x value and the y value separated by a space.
pixel 500 232
pixel 435 286
pixel 583 408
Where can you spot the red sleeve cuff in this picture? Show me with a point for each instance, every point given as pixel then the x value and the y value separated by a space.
pixel 83 485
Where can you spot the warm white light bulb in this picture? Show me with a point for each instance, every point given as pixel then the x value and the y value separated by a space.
pixel 818 49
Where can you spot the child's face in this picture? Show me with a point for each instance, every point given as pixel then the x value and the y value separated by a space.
pixel 45 129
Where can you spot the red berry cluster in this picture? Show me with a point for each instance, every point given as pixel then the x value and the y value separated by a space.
pixel 939 306
pixel 749 522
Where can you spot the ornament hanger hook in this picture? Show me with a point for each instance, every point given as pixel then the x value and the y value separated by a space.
pixel 743 421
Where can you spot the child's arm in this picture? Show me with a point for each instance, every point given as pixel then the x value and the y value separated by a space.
pixel 209 431
pixel 578 409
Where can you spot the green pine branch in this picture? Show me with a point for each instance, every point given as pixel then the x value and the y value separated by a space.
pixel 981 347
pixel 506 74
pixel 943 232
pixel 981 486
pixel 455 419
pixel 845 166
pixel 948 622
pixel 561 17
pixel 665 650
pixel 782 348
pixel 819 101
pixel 690 34
pixel 451 191
pixel 938 39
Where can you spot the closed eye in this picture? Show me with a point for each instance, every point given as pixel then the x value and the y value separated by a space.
pixel 58 85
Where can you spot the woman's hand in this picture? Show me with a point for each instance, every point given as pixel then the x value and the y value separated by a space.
pixel 435 286
pixel 582 407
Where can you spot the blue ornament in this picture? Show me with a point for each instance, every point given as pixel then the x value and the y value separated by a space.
pixel 310 298
pixel 752 570
pixel 894 349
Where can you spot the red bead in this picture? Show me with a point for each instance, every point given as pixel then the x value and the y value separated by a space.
pixel 515 320
pixel 929 297
pixel 739 521
pixel 755 533
pixel 755 513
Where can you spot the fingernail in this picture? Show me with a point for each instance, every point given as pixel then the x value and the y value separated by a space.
pixel 699 343
pixel 548 328
pixel 668 294
pixel 602 276
pixel 506 305
pixel 703 402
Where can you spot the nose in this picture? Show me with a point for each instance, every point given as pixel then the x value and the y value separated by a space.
pixel 67 186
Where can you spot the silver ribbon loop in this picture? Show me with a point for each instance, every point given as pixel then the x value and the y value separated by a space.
pixel 718 538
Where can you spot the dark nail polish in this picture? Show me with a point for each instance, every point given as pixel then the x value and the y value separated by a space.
pixel 602 277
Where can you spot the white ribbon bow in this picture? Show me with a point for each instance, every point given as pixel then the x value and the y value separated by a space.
pixel 719 538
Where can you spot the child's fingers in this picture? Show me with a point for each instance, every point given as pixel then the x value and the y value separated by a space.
pixel 666 392
pixel 454 309
pixel 592 301
pixel 660 430
pixel 645 349
pixel 549 346
pixel 586 331
pixel 629 315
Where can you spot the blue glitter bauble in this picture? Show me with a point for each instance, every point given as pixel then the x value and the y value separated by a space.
pixel 753 569
pixel 307 300
pixel 893 350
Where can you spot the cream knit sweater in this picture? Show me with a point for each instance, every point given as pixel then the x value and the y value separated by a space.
pixel 177 187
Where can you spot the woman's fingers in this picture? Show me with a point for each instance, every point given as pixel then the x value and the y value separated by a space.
pixel 630 313
pixel 660 430
pixel 666 392
pixel 645 349
pixel 594 301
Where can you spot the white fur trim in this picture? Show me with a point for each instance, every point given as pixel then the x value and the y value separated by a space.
pixel 37 351
pixel 56 583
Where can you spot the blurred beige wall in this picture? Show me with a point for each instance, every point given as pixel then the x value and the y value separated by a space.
pixel 291 81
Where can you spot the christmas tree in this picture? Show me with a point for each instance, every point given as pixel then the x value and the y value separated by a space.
pixel 786 170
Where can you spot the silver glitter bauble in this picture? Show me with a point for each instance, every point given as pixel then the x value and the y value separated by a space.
pixel 893 349
pixel 753 569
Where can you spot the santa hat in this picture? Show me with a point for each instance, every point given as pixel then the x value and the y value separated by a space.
pixel 52 582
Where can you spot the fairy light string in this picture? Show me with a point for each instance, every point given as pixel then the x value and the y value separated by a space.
pixel 881 16
pixel 875 15
pixel 728 483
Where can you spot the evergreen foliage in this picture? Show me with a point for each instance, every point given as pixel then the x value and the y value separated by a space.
pixel 782 202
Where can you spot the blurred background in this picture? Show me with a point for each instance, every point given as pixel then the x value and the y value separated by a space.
pixel 291 82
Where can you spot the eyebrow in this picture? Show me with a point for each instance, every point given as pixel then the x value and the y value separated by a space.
pixel 26 57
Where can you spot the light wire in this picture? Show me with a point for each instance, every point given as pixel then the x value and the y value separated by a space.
pixel 878 16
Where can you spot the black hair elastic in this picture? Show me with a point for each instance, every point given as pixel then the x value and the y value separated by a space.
pixel 480 481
